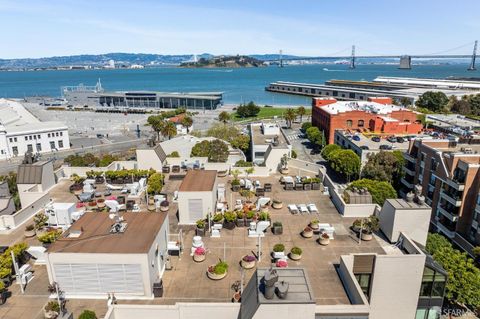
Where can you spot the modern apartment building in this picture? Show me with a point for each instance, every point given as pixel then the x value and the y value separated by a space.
pixel 375 115
pixel 448 173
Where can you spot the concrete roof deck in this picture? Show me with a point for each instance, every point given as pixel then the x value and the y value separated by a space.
pixel 187 282
pixel 260 139
pixel 199 181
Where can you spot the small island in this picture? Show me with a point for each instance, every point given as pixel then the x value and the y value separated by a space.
pixel 238 61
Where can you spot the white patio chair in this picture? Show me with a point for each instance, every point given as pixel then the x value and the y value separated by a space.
pixel 293 208
pixel 312 208
pixel 303 208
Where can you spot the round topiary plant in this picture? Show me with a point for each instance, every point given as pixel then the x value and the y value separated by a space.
pixel 88 314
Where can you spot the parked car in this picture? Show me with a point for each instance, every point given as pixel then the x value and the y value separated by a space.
pixel 400 139
pixel 385 147
pixel 356 138
pixel 364 147
pixel 392 139
pixel 376 139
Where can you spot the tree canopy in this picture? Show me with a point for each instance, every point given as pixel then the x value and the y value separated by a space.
pixel 248 110
pixel 290 115
pixel 433 101
pixel 380 191
pixel 315 136
pixel 216 151
pixel 155 183
pixel 230 134
pixel 330 148
pixel 463 284
pixel 345 162
pixel 385 166
pixel 224 117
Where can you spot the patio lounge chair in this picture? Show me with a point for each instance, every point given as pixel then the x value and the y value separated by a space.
pixel 303 208
pixel 293 208
pixel 312 208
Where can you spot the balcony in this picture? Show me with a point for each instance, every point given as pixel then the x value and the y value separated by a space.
pixel 453 199
pixel 409 157
pixel 447 214
pixel 409 171
pixel 445 230
pixel 456 184
pixel 475 224
pixel 406 183
pixel 477 208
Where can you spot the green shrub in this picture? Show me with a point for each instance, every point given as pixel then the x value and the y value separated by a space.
pixel 240 214
pixel 220 268
pixel 264 216
pixel 201 223
pixel 217 217
pixel 88 314
pixel 380 191
pixel 330 148
pixel 306 126
pixel 174 154
pixel 250 214
pixel 52 306
pixel 294 154
pixel 230 216
pixel 242 163
pixel 296 251
pixel 50 236
pixel 278 248
pixel 277 224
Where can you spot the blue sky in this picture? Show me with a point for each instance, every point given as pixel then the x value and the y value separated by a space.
pixel 40 28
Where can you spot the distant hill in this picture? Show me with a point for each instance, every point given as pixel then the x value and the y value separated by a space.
pixel 237 61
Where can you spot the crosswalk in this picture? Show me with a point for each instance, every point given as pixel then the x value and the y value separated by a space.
pixel 294 137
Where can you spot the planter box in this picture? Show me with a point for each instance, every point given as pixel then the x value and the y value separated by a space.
pixel 277 230
pixel 288 186
pixel 200 231
pixel 240 222
pixel 299 187
pixel 267 187
pixel 166 169
pixel 316 186
pixel 259 192
pixel 307 187
pixel 229 225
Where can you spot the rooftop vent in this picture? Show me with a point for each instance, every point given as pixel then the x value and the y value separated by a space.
pixel 74 234
pixel 282 289
pixel 270 278
pixel 410 196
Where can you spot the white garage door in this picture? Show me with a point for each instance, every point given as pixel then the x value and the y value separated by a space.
pixel 99 279
pixel 195 210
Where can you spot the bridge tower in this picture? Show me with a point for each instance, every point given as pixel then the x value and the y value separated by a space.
pixel 280 59
pixel 474 57
pixel 352 59
pixel 405 62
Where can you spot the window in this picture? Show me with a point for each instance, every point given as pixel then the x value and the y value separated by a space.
pixel 26 138
pixel 30 137
pixel 48 134
pixel 38 136
pixel 30 147
pixel 349 123
pixel 52 145
pixel 60 144
pixel 433 283
pixel 56 134
pixel 15 150
pixel 364 282
pixel 361 123
pixel 35 137
pixel 61 133
pixel 15 139
pixel 11 140
pixel 39 147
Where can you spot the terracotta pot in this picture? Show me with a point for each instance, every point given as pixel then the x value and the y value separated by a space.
pixel 247 264
pixel 214 276
pixel 295 256
pixel 236 297
pixel 277 205
pixel 29 233
pixel 307 234
pixel 324 241
pixel 199 258
pixel 101 204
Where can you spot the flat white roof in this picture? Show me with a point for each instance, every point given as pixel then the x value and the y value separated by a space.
pixel 371 107
pixel 432 82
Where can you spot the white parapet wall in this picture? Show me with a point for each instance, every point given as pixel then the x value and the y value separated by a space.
pixel 10 222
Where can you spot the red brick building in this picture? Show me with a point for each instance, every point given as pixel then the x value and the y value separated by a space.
pixel 375 115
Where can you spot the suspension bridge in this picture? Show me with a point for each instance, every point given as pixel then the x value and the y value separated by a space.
pixel 405 60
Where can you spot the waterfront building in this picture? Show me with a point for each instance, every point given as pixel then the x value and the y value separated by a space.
pixel 447 170
pixel 377 115
pixel 21 132
pixel 96 96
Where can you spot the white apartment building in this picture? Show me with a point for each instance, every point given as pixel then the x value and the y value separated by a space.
pixel 21 132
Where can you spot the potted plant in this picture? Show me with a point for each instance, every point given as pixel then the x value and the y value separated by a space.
pixel 277 228
pixel 217 271
pixel 49 237
pixel 91 205
pixel 235 185
pixel 248 261
pixel 277 204
pixel 282 263
pixel 296 253
pixel 315 183
pixel 307 232
pixel 218 218
pixel 264 216
pixel 101 203
pixel 248 194
pixel 229 220
pixel 199 254
pixel 307 184
pixel 371 225
pixel 237 288
pixel 278 251
pixel 88 314
pixel 314 224
pixel 240 222
pixel 164 206
pixel 200 231
pixel 51 310
pixel 40 221
pixel 29 231
pixel 151 204
pixel 357 224
pixel 249 217
pixel 324 239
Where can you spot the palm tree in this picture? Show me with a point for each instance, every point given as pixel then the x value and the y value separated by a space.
pixel 156 123
pixel 289 116
pixel 301 111
pixel 187 121
pixel 169 130
pixel 224 117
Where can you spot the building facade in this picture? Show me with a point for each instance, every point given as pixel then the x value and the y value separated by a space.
pixel 377 115
pixel 448 173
